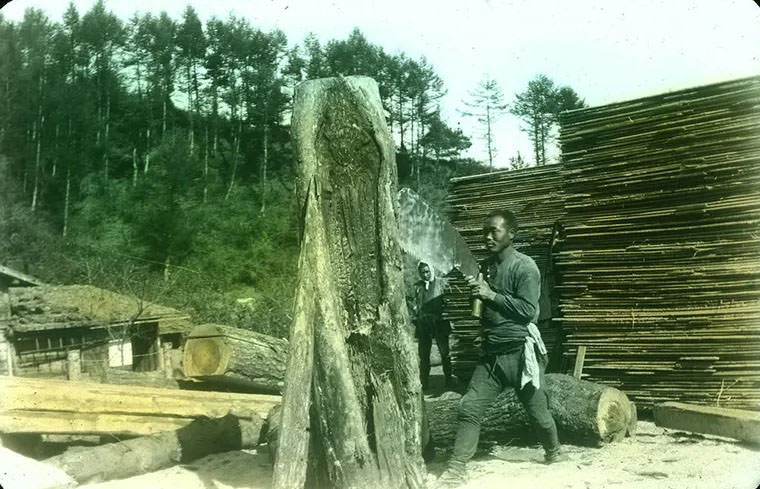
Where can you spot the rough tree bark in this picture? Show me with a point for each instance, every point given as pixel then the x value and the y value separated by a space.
pixel 225 354
pixel 352 406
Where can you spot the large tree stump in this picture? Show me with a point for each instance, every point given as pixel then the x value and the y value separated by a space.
pixel 585 413
pixel 224 354
pixel 352 407
pixel 153 452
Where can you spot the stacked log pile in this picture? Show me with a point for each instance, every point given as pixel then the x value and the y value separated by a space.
pixel 660 268
pixel 535 196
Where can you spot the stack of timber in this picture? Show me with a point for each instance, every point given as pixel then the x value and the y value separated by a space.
pixel 64 407
pixel 660 267
pixel 535 196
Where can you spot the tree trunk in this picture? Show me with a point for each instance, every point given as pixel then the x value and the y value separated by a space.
pixel 163 117
pixel 585 413
pixel 146 167
pixel 264 168
pixel 106 162
pixel 54 170
pixel 153 452
pixel 352 409
pixel 134 166
pixel 536 139
pixel 66 202
pixel 205 168
pixel 488 137
pixel 221 353
pixel 167 265
pixel 236 151
pixel 190 109
pixel 543 143
pixel 35 191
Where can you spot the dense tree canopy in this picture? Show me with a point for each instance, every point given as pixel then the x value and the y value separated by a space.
pixel 538 106
pixel 152 154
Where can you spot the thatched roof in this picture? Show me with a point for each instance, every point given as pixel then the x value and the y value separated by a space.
pixel 68 306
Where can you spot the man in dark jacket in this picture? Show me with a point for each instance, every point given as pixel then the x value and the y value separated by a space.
pixel 429 325
pixel 514 355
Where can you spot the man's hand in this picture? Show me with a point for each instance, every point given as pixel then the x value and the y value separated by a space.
pixel 480 288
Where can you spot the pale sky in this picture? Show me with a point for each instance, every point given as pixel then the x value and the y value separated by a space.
pixel 607 50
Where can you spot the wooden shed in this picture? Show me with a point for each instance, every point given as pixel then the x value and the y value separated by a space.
pixel 73 330
pixel 9 278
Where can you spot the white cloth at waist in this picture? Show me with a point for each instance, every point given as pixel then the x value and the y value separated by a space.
pixel 531 372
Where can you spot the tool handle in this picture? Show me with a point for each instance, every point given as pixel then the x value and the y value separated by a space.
pixel 477 302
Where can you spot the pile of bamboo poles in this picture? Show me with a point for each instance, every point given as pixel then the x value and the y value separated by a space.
pixel 534 195
pixel 660 266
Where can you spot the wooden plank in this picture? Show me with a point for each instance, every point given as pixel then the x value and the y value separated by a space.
pixel 87 397
pixel 59 422
pixel 731 423
pixel 580 356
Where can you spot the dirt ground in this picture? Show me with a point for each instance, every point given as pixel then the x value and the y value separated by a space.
pixel 656 458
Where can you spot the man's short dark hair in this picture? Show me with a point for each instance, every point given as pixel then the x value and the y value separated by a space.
pixel 422 264
pixel 509 219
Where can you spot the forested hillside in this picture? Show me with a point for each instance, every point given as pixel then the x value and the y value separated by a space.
pixel 151 155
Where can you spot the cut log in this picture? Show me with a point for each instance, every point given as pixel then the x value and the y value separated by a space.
pixel 731 423
pixel 585 413
pixel 220 353
pixel 59 406
pixel 352 404
pixel 149 453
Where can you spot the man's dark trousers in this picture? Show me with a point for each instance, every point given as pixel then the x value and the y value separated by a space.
pixel 494 374
pixel 438 331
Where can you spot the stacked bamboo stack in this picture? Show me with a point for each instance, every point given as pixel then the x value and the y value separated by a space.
pixel 660 267
pixel 534 195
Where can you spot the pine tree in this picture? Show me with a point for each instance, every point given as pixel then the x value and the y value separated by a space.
pixel 539 107
pixel 486 104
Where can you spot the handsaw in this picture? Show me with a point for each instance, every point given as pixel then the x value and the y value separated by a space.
pixel 430 238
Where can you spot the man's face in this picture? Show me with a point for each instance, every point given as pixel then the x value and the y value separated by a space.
pixel 425 273
pixel 496 234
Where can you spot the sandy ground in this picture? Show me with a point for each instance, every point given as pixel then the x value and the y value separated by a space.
pixel 656 458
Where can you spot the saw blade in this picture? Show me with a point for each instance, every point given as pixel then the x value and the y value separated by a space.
pixel 430 238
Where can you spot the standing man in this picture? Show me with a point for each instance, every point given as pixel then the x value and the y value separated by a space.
pixel 429 324
pixel 514 355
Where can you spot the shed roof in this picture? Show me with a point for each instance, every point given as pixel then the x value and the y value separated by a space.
pixel 67 306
